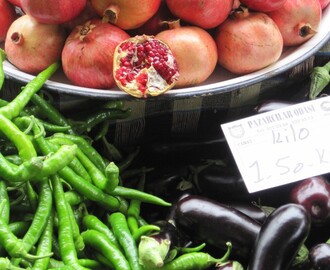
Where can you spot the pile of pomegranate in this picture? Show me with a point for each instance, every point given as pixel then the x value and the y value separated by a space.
pixel 147 47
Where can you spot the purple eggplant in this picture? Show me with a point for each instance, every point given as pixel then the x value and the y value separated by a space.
pixel 222 183
pixel 154 249
pixel 280 238
pixel 230 265
pixel 314 195
pixel 319 256
pixel 206 220
pixel 258 213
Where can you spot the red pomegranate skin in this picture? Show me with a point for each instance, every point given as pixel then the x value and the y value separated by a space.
pixel 87 60
pixel 324 3
pixel 298 20
pixel 15 2
pixel 53 11
pixel 205 14
pixel 263 5
pixel 195 52
pixel 130 14
pixel 7 16
pixel 249 42
pixel 33 46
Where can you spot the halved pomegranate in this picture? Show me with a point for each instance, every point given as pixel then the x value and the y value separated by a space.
pixel 144 66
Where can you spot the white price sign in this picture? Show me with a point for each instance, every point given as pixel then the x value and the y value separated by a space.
pixel 282 146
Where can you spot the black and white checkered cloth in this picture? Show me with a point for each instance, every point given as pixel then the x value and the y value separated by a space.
pixel 198 116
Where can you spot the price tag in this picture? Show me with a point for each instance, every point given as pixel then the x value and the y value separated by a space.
pixel 281 146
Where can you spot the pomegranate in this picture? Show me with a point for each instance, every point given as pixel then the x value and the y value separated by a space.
pixel 53 11
pixel 7 16
pixel 15 2
pixel 205 14
pixel 324 3
pixel 144 66
pixel 32 46
pixel 86 14
pixel 126 14
pixel 248 41
pixel 157 22
pixel 87 56
pixel 236 4
pixel 195 51
pixel 298 20
pixel 263 5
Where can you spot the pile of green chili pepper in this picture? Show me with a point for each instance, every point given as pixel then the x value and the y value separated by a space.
pixel 62 203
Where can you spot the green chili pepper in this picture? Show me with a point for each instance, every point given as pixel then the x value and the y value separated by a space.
pixel 103 131
pixel 143 230
pixel 15 159
pixel 51 112
pixel 124 164
pixel 41 217
pixel 58 160
pixel 112 176
pixel 86 148
pixel 45 245
pixel 78 241
pixel 131 193
pixel 54 128
pixel 133 210
pixel 65 234
pixel 100 116
pixel 18 228
pixel 191 249
pixel 4 201
pixel 21 173
pixel 195 261
pixel 92 222
pixel 7 265
pixel 120 229
pixel 98 241
pixel 2 73
pixel 75 164
pixel 37 168
pixel 73 198
pixel 88 263
pixel 92 264
pixel 21 141
pixel 15 107
pixel 112 152
pixel 13 245
pixel 82 186
pixel 32 195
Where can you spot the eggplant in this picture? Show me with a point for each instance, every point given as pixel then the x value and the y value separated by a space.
pixel 314 195
pixel 184 150
pixel 280 238
pixel 319 256
pixel 230 265
pixel 154 249
pixel 208 221
pixel 258 213
pixel 170 184
pixel 224 183
pixel 221 182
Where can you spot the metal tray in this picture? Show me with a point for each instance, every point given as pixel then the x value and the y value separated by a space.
pixel 220 81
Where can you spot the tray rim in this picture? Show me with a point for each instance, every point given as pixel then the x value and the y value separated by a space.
pixel 285 63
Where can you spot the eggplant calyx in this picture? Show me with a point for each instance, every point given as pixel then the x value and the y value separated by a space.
pixel 153 252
